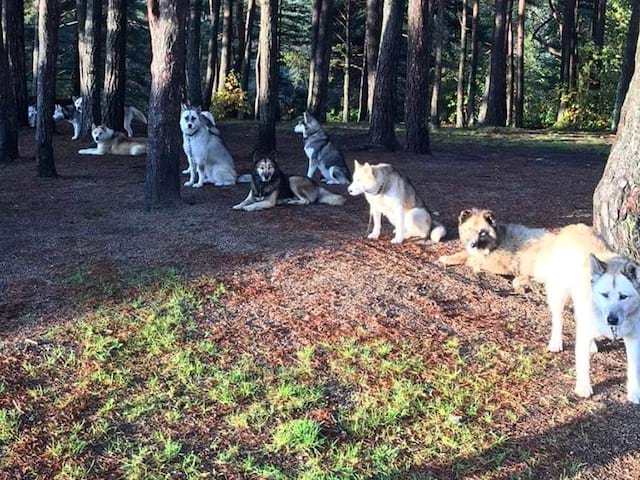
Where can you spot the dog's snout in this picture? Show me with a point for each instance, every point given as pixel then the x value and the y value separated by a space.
pixel 189 125
pixel 612 319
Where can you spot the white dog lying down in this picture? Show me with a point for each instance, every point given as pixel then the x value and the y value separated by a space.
pixel 115 143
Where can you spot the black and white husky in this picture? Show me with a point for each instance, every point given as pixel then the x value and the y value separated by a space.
pixel 206 152
pixel 322 153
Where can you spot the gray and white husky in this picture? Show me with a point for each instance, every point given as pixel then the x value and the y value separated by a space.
pixel 32 115
pixel 322 153
pixel 130 113
pixel 391 194
pixel 206 152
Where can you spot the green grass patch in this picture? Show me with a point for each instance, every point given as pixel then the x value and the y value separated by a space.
pixel 137 389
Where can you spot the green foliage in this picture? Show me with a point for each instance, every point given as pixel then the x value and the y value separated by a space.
pixel 231 99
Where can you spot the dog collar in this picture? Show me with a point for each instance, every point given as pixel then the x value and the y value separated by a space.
pixel 194 132
pixel 379 190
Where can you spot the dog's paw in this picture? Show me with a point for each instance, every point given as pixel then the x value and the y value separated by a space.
pixel 188 184
pixel 593 348
pixel 237 207
pixel 187 171
pixel 555 345
pixel 198 185
pixel 373 236
pixel 519 285
pixel 445 260
pixel 633 394
pixel 397 240
pixel 584 390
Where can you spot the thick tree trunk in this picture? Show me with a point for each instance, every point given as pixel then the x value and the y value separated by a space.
pixel 212 54
pixel 227 43
pixel 75 75
pixel 193 79
pixel 496 110
pixel 89 42
pixel 462 64
pixel 246 57
pixel 598 21
pixel 320 55
pixel 519 100
pixel 510 65
pixel 35 56
pixel 167 28
pixel 8 114
pixel 381 126
pixel 372 47
pixel 48 18
pixel 238 34
pixel 473 65
pixel 437 66
pixel 628 63
pixel 363 97
pixel 346 111
pixel 616 202
pixel 13 26
pixel 267 96
pixel 568 72
pixel 415 104
pixel 115 64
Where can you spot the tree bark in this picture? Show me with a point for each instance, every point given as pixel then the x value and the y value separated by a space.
pixel 372 47
pixel 48 19
pixel 267 96
pixel 363 97
pixel 437 66
pixel 519 100
pixel 510 65
pixel 162 176
pixel 115 64
pixel 462 63
pixel 473 65
pixel 616 202
pixel 496 111
pixel 568 61
pixel 193 78
pixel 598 22
pixel 415 105
pixel 227 43
pixel 346 111
pixel 239 36
pixel 13 26
pixel 246 57
pixel 8 114
pixel 212 54
pixel 381 126
pixel 89 41
pixel 628 63
pixel 35 56
pixel 320 55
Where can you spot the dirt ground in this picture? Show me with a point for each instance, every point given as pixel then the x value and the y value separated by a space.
pixel 304 274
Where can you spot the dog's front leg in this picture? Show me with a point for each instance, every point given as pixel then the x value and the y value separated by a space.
pixel 89 151
pixel 191 170
pixel 456 259
pixel 399 232
pixel 269 202
pixel 245 202
pixel 376 215
pixel 311 170
pixel 201 175
pixel 583 361
pixel 632 346
pixel 76 131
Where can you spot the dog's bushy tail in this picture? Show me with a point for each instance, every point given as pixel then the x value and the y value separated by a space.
pixel 244 178
pixel 330 198
pixel 138 115
pixel 438 231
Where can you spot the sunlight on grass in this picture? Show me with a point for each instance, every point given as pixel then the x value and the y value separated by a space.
pixel 138 389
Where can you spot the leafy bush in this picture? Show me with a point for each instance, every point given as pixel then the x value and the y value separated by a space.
pixel 231 100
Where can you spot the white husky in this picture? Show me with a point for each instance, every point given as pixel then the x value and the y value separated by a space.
pixel 206 152
pixel 392 195
pixel 130 113
pixel 32 113
pixel 604 288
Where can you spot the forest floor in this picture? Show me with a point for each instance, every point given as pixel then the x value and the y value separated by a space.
pixel 202 342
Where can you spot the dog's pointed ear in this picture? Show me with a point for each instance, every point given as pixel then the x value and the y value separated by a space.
pixel 198 109
pixel 356 164
pixel 490 217
pixel 74 98
pixel 631 270
pixel 464 216
pixel 93 126
pixel 598 267
pixel 184 107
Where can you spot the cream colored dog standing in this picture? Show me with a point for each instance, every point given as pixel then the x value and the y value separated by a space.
pixel 392 195
pixel 114 143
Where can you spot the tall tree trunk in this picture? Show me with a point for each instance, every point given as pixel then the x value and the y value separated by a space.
pixel 13 26
pixel 239 37
pixel 568 59
pixel 346 112
pixel 473 65
pixel 75 75
pixel 372 47
pixel 267 96
pixel 246 57
pixel 167 27
pixel 381 126
pixel 363 97
pixel 437 67
pixel 415 104
pixel 48 18
pixel 8 114
pixel 90 43
pixel 510 66
pixel 115 75
pixel 616 202
pixel 462 63
pixel 35 56
pixel 598 22
pixel 519 100
pixel 496 111
pixel 227 43
pixel 628 63
pixel 193 79
pixel 320 55
pixel 212 54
